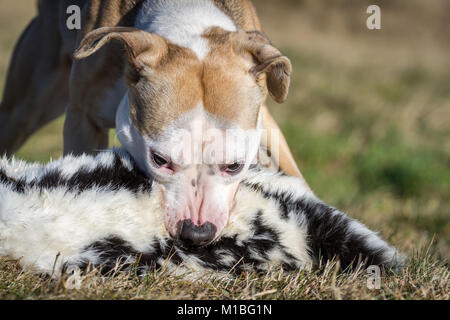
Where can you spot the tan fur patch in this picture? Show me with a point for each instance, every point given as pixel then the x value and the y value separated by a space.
pixel 180 81
pixel 231 92
pixel 166 91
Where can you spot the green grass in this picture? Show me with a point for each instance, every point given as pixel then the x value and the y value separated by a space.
pixel 367 119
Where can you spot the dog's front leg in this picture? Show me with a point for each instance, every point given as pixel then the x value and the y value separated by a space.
pixel 285 159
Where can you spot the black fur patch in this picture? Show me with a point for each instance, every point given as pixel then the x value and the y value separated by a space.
pixel 115 250
pixel 251 253
pixel 284 200
pixel 16 185
pixel 114 177
pixel 328 234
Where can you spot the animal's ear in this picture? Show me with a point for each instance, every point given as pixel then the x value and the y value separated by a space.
pixel 141 47
pixel 269 60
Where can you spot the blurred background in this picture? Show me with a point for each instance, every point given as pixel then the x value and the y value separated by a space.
pixel 368 115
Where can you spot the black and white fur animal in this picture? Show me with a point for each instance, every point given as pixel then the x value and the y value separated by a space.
pixel 80 211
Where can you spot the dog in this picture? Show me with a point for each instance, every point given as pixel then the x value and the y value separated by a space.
pixel 158 71
pixel 104 212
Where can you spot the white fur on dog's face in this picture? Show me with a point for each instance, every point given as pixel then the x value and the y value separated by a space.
pixel 197 146
pixel 199 117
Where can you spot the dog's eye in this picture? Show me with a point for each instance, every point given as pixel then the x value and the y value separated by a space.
pixel 232 169
pixel 158 160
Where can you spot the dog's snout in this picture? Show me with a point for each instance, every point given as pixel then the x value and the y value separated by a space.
pixel 192 235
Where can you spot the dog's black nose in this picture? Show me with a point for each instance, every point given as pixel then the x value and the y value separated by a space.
pixel 192 235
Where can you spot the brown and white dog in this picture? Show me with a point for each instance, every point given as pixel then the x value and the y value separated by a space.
pixel 174 77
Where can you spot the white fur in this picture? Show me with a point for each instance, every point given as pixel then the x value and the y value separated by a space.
pixel 183 21
pixel 40 225
pixel 292 236
pixel 46 228
pixel 295 188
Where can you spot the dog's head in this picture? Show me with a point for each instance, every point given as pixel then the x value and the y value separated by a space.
pixel 194 124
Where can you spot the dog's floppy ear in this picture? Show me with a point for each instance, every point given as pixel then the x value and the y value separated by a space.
pixel 141 47
pixel 269 60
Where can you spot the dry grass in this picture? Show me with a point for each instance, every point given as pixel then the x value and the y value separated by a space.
pixel 367 119
pixel 424 278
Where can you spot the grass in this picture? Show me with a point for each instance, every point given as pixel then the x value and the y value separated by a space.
pixel 367 119
pixel 424 278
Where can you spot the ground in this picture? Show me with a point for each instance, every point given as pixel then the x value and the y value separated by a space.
pixel 368 121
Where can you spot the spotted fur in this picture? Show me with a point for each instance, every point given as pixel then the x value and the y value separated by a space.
pixel 80 211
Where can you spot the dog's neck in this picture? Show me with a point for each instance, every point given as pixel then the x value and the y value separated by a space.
pixel 183 22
